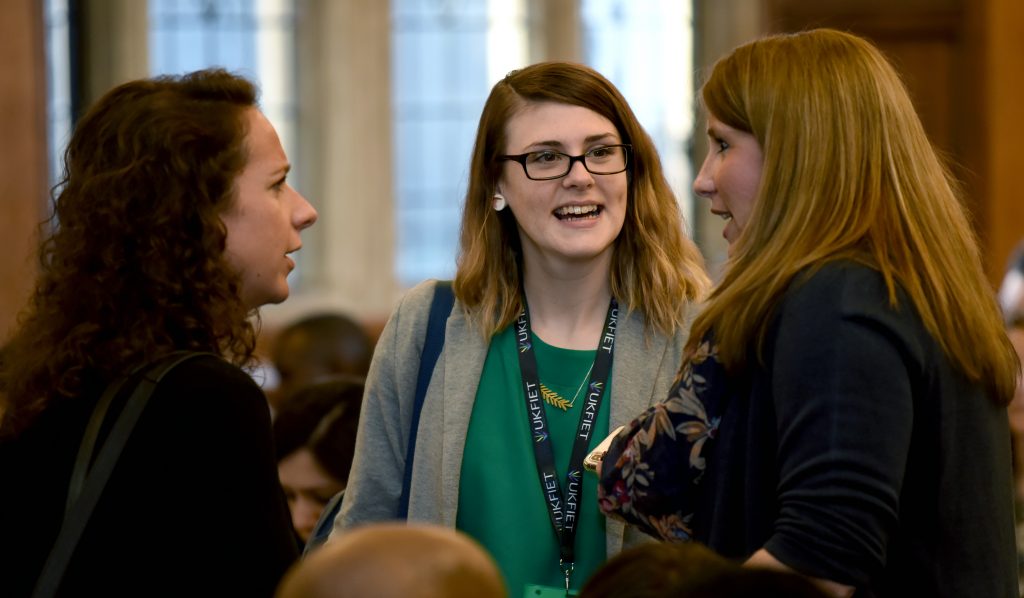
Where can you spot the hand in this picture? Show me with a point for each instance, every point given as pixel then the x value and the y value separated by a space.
pixel 764 559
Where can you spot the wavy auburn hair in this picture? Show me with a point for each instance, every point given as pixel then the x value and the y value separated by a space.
pixel 848 174
pixel 134 266
pixel 655 268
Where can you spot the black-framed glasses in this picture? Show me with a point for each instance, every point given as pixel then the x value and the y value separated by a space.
pixel 544 165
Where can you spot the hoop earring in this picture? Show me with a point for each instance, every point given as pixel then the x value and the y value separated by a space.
pixel 499 202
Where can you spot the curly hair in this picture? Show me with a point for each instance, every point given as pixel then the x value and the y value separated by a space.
pixel 656 269
pixel 134 265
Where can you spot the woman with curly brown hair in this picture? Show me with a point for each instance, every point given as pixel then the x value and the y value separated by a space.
pixel 172 225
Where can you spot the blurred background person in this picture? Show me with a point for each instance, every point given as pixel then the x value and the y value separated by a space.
pixel 689 570
pixel 316 348
pixel 395 560
pixel 1011 300
pixel 1015 330
pixel 1011 288
pixel 315 437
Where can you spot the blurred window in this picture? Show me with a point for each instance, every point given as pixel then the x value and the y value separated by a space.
pixel 446 56
pixel 59 74
pixel 448 53
pixel 253 38
pixel 646 50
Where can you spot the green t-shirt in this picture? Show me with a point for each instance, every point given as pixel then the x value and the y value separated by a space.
pixel 501 502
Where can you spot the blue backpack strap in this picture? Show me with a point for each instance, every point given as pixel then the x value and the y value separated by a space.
pixel 440 309
pixel 324 524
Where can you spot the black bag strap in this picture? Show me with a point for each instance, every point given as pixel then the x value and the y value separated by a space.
pixel 87 483
pixel 440 309
pixel 87 448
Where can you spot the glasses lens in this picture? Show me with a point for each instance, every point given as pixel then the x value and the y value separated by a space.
pixel 606 160
pixel 546 164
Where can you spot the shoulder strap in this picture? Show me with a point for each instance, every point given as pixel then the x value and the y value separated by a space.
pixel 87 448
pixel 324 524
pixel 440 309
pixel 88 483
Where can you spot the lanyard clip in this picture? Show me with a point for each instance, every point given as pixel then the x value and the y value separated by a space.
pixel 567 570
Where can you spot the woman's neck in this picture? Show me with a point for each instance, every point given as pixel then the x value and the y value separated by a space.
pixel 568 304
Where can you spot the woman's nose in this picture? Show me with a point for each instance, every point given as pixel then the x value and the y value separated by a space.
pixel 578 175
pixel 703 186
pixel 305 214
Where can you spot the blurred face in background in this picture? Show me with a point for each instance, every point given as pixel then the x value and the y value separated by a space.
pixel 308 489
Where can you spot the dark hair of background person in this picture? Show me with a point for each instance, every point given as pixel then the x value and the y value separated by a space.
pixel 689 570
pixel 135 264
pixel 323 418
pixel 318 347
pixel 655 268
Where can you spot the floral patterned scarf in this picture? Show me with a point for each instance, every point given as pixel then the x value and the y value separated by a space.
pixel 651 472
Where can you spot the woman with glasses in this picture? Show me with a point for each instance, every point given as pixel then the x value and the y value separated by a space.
pixel 572 293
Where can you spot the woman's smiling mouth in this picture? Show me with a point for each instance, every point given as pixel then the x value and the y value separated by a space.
pixel 570 213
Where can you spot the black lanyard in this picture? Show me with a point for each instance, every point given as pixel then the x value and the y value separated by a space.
pixel 563 508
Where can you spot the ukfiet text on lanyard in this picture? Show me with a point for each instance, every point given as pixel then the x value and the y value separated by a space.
pixel 563 508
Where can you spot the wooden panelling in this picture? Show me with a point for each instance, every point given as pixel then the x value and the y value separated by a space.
pixel 23 152
pixel 963 62
pixel 1002 114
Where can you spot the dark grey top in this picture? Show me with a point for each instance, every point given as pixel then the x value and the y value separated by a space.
pixel 857 453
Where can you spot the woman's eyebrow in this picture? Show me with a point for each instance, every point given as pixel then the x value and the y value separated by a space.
pixel 558 144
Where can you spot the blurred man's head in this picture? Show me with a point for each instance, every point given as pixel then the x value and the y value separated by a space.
pixel 317 348
pixel 395 560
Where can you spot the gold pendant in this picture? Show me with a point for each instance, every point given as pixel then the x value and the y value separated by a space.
pixel 553 398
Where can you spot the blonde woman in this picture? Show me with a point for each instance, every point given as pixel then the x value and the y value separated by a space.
pixel 841 408
pixel 572 289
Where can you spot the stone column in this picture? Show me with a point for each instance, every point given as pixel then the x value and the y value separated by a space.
pixel 345 152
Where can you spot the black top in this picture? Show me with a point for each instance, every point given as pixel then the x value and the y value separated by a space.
pixel 859 454
pixel 193 507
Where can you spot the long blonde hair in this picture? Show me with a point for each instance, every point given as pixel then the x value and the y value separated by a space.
pixel 848 174
pixel 655 269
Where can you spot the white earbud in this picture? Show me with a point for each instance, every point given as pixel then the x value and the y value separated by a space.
pixel 499 202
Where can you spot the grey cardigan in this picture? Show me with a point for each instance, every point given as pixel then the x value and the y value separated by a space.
pixel 642 371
